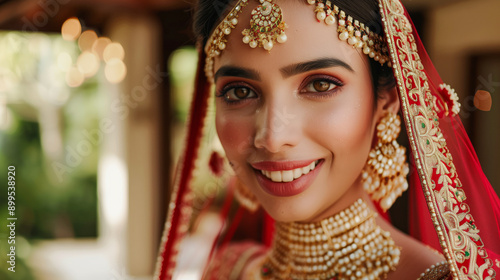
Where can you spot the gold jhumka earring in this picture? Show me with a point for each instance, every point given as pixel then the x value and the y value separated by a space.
pixel 241 192
pixel 384 175
pixel 245 197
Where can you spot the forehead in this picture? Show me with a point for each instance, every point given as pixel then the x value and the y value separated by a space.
pixel 308 39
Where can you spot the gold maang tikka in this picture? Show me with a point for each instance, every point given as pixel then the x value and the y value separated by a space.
pixel 268 27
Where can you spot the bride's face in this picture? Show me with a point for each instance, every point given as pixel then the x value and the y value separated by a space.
pixel 297 122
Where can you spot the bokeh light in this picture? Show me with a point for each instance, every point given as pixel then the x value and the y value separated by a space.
pixel 112 51
pixel 482 100
pixel 74 78
pixel 71 29
pixel 86 40
pixel 115 70
pixel 99 45
pixel 64 61
pixel 93 50
pixel 88 63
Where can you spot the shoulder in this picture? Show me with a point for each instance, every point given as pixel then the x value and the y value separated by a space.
pixel 420 262
pixel 440 271
pixel 417 259
pixel 230 261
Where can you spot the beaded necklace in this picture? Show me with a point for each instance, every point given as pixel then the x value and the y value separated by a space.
pixel 347 246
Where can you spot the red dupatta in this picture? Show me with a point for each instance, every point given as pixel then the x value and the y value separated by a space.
pixel 462 207
pixel 452 204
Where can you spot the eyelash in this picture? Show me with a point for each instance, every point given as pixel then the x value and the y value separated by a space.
pixel 337 86
pixel 223 93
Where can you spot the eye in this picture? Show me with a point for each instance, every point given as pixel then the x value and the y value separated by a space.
pixel 240 92
pixel 232 94
pixel 321 85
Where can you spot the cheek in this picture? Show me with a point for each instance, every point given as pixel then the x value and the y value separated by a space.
pixel 236 136
pixel 347 129
pixel 351 129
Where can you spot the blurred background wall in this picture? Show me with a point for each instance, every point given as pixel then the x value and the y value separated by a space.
pixel 467 55
pixel 92 119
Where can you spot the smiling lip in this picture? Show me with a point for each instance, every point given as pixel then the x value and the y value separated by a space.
pixel 284 189
pixel 281 165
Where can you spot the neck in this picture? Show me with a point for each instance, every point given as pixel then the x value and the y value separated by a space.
pixel 346 245
pixel 355 192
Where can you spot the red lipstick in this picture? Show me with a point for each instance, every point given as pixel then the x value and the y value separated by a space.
pixel 281 165
pixel 285 189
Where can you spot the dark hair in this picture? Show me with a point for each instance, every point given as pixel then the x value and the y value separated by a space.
pixel 209 13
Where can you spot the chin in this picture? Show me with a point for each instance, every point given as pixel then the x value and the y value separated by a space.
pixel 287 217
pixel 291 209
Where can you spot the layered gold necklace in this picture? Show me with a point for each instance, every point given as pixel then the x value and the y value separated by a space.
pixel 347 246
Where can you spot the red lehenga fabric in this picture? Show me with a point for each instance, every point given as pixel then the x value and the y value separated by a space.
pixel 453 207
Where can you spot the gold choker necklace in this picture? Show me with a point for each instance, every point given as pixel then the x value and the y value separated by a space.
pixel 349 245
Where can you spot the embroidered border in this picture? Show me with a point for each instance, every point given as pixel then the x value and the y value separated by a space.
pixel 457 233
pixel 180 206
pixel 177 234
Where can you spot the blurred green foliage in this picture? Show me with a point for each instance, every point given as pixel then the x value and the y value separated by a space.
pixel 182 69
pixel 44 207
pixel 48 206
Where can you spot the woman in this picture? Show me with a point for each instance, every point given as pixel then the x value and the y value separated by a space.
pixel 307 101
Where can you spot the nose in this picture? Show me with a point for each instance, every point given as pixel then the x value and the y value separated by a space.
pixel 276 128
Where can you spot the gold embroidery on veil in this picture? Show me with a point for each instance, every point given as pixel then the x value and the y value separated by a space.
pixel 455 225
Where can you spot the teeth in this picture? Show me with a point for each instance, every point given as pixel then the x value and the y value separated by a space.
pixel 297 173
pixel 288 175
pixel 306 169
pixel 276 176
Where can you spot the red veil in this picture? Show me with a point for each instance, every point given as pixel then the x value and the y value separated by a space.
pixel 452 205
pixel 461 205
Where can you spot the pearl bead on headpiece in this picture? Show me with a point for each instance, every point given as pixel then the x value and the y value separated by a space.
pixel 268 28
pixel 352 31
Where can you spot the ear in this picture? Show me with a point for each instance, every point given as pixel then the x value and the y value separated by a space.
pixel 387 102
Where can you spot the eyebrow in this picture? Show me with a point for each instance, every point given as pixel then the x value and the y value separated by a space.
pixel 320 63
pixel 233 71
pixel 287 71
